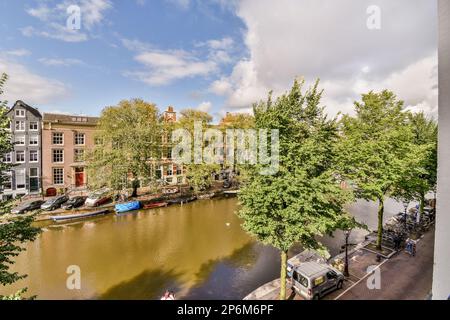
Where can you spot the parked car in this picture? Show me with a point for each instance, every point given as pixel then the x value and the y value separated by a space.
pixel 313 280
pixel 74 202
pixel 27 206
pixel 54 203
pixel 98 198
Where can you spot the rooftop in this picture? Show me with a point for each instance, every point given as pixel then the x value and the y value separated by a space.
pixel 69 119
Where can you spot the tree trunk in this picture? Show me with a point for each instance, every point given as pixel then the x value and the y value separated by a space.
pixel 283 275
pixel 380 222
pixel 421 206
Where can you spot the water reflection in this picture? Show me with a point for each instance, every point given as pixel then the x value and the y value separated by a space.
pixel 197 250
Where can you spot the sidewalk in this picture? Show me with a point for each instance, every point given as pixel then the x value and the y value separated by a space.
pixel 403 277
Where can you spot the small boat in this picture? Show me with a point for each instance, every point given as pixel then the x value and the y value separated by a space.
pixel 129 206
pixel 182 200
pixel 79 216
pixel 206 196
pixel 155 205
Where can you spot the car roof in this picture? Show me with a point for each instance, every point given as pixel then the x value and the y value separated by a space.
pixel 311 269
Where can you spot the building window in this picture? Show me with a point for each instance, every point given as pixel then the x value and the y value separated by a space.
pixel 78 155
pixel 58 155
pixel 34 141
pixel 20 125
pixel 34 179
pixel 20 140
pixel 179 180
pixel 179 170
pixel 33 126
pixel 58 176
pixel 34 156
pixel 169 180
pixel 169 170
pixel 79 139
pixel 7 157
pixel 7 181
pixel 20 156
pixel 20 113
pixel 57 138
pixel 20 179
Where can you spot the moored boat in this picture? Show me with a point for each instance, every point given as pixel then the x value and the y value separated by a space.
pixel 182 200
pixel 129 206
pixel 79 216
pixel 155 205
pixel 206 196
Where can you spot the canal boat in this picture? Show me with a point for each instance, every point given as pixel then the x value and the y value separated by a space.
pixel 79 216
pixel 155 205
pixel 182 200
pixel 206 196
pixel 129 206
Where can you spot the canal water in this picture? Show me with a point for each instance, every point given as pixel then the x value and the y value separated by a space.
pixel 198 250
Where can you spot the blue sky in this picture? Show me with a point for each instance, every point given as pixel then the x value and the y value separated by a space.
pixel 102 69
pixel 214 55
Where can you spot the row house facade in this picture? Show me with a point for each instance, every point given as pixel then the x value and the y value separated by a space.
pixel 66 139
pixel 49 153
pixel 24 177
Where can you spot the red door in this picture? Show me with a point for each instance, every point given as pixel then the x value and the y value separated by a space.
pixel 79 177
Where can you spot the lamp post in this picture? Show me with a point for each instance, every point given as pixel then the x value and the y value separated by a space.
pixel 406 205
pixel 347 235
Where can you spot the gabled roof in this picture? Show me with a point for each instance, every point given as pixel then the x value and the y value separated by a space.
pixel 70 119
pixel 20 103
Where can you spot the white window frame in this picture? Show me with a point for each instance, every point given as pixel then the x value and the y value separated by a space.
pixel 53 176
pixel 37 156
pixel 76 136
pixel 24 156
pixel 37 174
pixel 19 121
pixel 53 156
pixel 24 177
pixel 20 113
pixel 33 144
pixel 9 175
pixel 37 125
pixel 19 139
pixel 9 155
pixel 53 139
pixel 75 159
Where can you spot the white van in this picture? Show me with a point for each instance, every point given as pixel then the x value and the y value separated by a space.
pixel 313 280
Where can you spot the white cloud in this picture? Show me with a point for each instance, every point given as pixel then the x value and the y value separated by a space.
pixel 162 67
pixel 55 62
pixel 25 85
pixel 330 40
pixel 204 106
pixel 18 53
pixel 56 31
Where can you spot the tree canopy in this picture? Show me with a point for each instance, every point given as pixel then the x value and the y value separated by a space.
pixel 14 233
pixel 303 200
pixel 128 138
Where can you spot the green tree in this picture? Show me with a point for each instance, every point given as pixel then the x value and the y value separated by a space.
pixel 199 176
pixel 128 140
pixel 420 175
pixel 375 148
pixel 303 200
pixel 14 233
